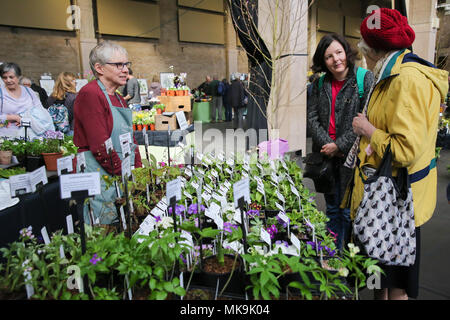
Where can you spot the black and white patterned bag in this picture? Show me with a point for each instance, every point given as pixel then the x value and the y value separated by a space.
pixel 384 223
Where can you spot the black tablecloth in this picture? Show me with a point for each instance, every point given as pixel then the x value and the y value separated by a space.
pixel 159 138
pixel 39 209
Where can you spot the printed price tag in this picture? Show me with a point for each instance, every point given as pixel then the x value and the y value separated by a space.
pixel 126 167
pixel 125 141
pixel 182 120
pixel 109 146
pixel 279 207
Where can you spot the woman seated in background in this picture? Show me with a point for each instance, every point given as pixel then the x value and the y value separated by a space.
pixel 17 102
pixel 64 93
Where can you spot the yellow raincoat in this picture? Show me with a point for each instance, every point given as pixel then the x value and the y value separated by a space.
pixel 404 107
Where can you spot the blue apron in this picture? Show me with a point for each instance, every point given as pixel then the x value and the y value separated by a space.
pixel 103 205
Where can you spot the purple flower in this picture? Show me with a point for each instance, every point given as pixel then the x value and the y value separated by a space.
pixel 193 208
pixel 95 259
pixel 183 259
pixel 179 209
pixel 272 230
pixel 228 227
pixel 253 213
pixel 285 243
pixel 50 134
pixel 158 219
pixel 281 222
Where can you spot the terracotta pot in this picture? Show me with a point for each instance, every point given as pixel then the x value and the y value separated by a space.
pixel 180 92
pixel 186 92
pixel 139 127
pixel 163 94
pixel 145 126
pixel 134 127
pixel 5 157
pixel 152 126
pixel 171 92
pixel 159 111
pixel 50 160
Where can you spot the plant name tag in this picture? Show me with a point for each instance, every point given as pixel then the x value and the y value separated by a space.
pixel 280 196
pixel 295 191
pixel 187 194
pixel 109 146
pixel 126 167
pixel 79 182
pixel 173 189
pixel 265 236
pixel 45 235
pixel 20 184
pixel 261 189
pixel 122 216
pixel 38 176
pixel 195 185
pixel 64 163
pixel 69 222
pixel 237 216
pixel 125 141
pixel 81 162
pixel 241 189
pixel 279 207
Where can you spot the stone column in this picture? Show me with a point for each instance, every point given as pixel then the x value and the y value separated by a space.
pixel 87 39
pixel 283 25
pixel 231 53
pixel 423 19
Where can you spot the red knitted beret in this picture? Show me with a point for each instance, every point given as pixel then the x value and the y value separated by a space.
pixel 387 29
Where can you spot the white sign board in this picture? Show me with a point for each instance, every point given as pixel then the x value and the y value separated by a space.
pixel 79 182
pixel 241 189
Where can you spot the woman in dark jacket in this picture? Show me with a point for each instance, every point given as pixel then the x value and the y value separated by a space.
pixel 331 109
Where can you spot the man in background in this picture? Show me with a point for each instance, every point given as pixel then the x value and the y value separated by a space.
pixel 132 92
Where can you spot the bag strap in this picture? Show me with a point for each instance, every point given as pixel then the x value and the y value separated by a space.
pixel 385 168
pixel 360 75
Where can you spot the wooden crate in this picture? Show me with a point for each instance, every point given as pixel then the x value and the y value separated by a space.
pixel 162 122
pixel 176 103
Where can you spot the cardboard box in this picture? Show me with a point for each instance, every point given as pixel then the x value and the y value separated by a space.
pixel 162 122
pixel 189 117
pixel 176 103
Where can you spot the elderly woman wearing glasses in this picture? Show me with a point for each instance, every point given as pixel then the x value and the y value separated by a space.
pixel 101 114
pixel 18 103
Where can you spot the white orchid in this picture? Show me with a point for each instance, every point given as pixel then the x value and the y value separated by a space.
pixel 165 222
pixel 343 272
pixel 353 250
pixel 373 269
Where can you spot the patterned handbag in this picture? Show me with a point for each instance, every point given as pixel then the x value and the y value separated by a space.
pixel 384 223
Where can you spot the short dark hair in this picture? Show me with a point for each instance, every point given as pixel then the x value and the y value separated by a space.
pixel 318 59
pixel 130 71
pixel 8 66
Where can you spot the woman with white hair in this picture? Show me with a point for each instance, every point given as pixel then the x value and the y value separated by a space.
pixel 17 102
pixel 100 114
pixel 402 113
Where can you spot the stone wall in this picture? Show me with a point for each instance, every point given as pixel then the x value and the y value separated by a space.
pixel 39 51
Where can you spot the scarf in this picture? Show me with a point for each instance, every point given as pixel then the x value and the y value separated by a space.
pixel 350 161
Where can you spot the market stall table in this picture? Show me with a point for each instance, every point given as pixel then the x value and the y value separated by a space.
pixel 38 209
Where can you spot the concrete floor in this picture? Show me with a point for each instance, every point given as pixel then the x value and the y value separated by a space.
pixel 435 254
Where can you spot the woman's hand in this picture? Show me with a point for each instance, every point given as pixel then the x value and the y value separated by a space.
pixel 362 126
pixel 14 118
pixel 330 149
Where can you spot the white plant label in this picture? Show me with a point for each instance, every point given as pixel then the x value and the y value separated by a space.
pixel 122 216
pixel 125 141
pixel 45 235
pixel 280 196
pixel 79 182
pixel 20 183
pixel 69 221
pixel 64 163
pixel 194 185
pixel 126 167
pixel 147 190
pixel 237 216
pixel 187 194
pixel 265 236
pixel 38 176
pixel 296 242
pixel 241 189
pixel 279 207
pixel 173 189
pixel 109 146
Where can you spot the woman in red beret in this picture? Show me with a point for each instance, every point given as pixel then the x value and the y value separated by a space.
pixel 402 112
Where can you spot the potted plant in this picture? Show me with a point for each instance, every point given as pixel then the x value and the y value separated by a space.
pixel 6 152
pixel 52 149
pixel 160 108
pixel 34 157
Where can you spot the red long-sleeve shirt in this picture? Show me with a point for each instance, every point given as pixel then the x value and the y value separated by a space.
pixel 93 125
pixel 336 86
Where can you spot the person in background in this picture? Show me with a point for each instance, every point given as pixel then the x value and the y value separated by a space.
pixel 132 92
pixel 101 114
pixel 42 94
pixel 237 95
pixel 26 82
pixel 155 87
pixel 226 97
pixel 64 92
pixel 403 112
pixel 17 102
pixel 331 109
pixel 216 103
pixel 204 87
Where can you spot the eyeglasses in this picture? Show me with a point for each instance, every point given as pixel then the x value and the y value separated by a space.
pixel 120 65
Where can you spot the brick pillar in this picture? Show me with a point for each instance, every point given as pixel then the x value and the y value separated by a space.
pixel 423 19
pixel 87 39
pixel 231 53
